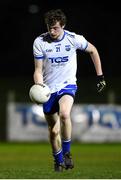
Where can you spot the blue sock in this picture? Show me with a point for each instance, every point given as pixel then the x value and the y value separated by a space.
pixel 58 156
pixel 66 145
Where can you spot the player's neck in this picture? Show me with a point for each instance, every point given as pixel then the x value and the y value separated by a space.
pixel 61 35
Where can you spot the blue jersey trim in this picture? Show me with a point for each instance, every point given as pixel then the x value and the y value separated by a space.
pixel 39 57
pixel 86 45
pixel 71 86
pixel 58 40
pixel 70 34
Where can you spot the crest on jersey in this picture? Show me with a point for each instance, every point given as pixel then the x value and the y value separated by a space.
pixel 67 47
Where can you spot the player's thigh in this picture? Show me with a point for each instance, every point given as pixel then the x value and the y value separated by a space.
pixel 65 104
pixel 51 119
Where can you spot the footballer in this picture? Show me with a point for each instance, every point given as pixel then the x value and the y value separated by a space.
pixel 55 60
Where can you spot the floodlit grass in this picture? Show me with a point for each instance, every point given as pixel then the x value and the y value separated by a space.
pixel 34 161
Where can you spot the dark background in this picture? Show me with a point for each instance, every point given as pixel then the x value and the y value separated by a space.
pixel 20 25
pixel 22 21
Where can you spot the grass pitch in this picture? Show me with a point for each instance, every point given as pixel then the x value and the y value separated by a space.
pixel 34 161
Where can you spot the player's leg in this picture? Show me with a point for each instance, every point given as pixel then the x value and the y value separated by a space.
pixel 55 140
pixel 54 131
pixel 65 106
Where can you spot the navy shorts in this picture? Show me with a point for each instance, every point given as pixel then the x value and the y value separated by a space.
pixel 52 105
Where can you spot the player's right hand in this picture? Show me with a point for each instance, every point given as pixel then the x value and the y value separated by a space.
pixel 41 84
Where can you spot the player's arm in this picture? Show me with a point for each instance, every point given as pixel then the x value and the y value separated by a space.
pixel 91 49
pixel 38 61
pixel 38 74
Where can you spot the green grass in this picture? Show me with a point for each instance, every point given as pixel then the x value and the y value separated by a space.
pixel 34 161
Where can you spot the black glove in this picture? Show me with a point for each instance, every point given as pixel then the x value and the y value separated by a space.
pixel 101 84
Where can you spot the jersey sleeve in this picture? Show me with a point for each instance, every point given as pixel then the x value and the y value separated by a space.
pixel 37 50
pixel 81 42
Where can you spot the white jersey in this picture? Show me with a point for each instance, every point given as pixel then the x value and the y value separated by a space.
pixel 59 58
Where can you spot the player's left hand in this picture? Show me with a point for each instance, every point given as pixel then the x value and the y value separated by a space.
pixel 101 84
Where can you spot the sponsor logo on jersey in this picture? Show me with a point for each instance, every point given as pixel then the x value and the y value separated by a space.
pixel 59 59
pixel 67 47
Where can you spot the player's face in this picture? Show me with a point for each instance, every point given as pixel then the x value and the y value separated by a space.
pixel 55 30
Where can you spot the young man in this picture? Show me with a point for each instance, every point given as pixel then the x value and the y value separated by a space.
pixel 56 65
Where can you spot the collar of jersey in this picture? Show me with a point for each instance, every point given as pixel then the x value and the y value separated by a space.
pixel 58 40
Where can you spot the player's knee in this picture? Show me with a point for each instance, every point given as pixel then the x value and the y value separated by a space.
pixel 64 115
pixel 53 133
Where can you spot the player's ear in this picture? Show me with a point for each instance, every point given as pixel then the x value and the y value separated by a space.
pixel 63 26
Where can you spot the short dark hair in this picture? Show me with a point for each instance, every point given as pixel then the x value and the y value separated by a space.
pixel 53 16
